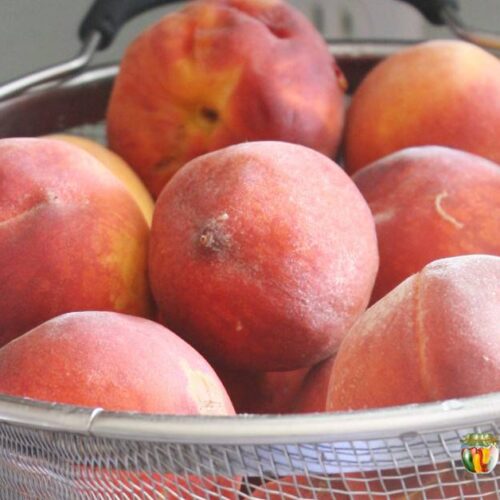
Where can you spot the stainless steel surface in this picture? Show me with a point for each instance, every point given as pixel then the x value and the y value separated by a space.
pixel 486 39
pixel 36 462
pixel 62 104
pixel 293 429
pixel 57 71
pixel 50 451
pixel 375 50
pixel 59 105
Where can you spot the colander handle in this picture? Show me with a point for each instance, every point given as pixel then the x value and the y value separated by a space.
pixel 448 12
pixel 108 16
pixel 97 30
pixel 433 10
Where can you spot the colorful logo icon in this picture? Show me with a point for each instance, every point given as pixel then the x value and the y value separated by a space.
pixel 480 452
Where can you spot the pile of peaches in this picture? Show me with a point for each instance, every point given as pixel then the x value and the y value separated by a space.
pixel 217 259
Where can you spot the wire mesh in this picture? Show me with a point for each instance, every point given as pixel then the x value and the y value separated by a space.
pixel 37 463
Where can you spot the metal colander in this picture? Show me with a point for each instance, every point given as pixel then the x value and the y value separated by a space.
pixel 57 451
pixel 50 451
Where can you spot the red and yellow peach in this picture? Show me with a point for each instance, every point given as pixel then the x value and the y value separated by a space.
pixel 222 72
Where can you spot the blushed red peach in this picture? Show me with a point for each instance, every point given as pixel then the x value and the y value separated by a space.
pixel 263 392
pixel 311 398
pixel 432 338
pixel 71 237
pixel 218 73
pixel 303 487
pixel 262 256
pixel 406 483
pixel 428 203
pixel 120 363
pixel 113 361
pixel 118 167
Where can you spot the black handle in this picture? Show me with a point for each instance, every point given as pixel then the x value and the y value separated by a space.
pixel 432 9
pixel 108 16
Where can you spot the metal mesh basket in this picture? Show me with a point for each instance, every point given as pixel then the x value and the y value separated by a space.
pixel 56 451
pixel 50 451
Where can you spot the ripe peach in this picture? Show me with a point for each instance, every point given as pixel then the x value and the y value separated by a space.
pixel 303 487
pixel 433 482
pixel 311 397
pixel 442 92
pixel 432 338
pixel 406 483
pixel 263 392
pixel 298 391
pixel 122 363
pixel 113 361
pixel 130 485
pixel 71 237
pixel 218 73
pixel 430 202
pixel 335 487
pixel 118 166
pixel 262 256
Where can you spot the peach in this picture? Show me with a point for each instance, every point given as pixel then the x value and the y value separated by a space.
pixel 442 92
pixel 298 391
pixel 303 487
pixel 432 338
pixel 223 72
pixel 406 483
pixel 121 363
pixel 262 256
pixel 113 361
pixel 433 482
pixel 430 202
pixel 131 485
pixel 71 237
pixel 118 167
pixel 263 392
pixel 311 398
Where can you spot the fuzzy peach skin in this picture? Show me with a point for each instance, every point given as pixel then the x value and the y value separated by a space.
pixel 430 202
pixel 222 72
pixel 298 391
pixel 434 337
pixel 262 256
pixel 71 237
pixel 118 167
pixel 311 398
pixel 263 392
pixel 112 361
pixel 122 363
pixel 442 92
